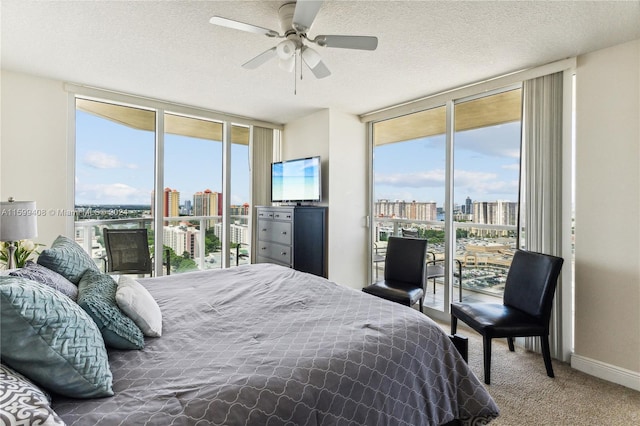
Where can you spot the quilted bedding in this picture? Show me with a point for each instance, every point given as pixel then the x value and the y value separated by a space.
pixel 267 345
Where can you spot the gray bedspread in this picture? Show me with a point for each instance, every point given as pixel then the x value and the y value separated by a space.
pixel 267 345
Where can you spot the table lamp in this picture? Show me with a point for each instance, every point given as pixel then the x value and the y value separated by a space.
pixel 17 222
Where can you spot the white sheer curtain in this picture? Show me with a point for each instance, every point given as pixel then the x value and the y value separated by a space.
pixel 541 198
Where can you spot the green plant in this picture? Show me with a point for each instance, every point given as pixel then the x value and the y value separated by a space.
pixel 24 250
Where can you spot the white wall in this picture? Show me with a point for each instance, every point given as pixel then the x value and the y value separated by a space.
pixel 34 148
pixel 341 141
pixel 308 137
pixel 607 231
pixel 348 233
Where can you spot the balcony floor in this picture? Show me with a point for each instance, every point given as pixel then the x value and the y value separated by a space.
pixel 436 301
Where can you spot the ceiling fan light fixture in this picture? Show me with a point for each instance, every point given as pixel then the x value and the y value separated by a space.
pixel 311 57
pixel 287 64
pixel 286 49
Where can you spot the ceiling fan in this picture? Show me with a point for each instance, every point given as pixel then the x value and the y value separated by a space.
pixel 296 19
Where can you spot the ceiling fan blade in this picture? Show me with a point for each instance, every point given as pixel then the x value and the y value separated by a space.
pixel 320 70
pixel 260 59
pixel 306 11
pixel 347 42
pixel 237 25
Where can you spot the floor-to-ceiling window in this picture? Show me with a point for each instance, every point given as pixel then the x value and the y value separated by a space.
pixel 486 171
pixel 413 164
pixel 114 176
pixel 192 192
pixel 409 184
pixel 168 172
pixel 240 201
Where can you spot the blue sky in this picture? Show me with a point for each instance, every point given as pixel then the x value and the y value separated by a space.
pixel 486 166
pixel 114 165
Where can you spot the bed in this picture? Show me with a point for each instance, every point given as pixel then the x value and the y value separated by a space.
pixel 267 345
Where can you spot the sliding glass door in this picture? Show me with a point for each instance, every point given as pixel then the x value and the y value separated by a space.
pixel 409 171
pixel 486 178
pixel 455 185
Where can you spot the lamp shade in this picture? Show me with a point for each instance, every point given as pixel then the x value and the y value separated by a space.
pixel 18 220
pixel 287 64
pixel 285 49
pixel 310 56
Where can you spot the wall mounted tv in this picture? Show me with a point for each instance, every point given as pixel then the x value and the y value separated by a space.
pixel 296 181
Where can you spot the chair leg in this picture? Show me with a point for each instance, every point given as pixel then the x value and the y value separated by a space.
pixel 421 304
pixel 487 359
pixel 434 286
pixel 546 354
pixel 510 342
pixel 454 325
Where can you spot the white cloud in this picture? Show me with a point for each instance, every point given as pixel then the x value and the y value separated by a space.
pixel 102 160
pixel 514 166
pixel 481 186
pixel 430 178
pixel 115 193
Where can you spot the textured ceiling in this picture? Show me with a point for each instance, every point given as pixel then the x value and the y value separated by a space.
pixel 168 50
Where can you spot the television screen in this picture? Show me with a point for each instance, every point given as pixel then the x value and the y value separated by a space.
pixel 296 180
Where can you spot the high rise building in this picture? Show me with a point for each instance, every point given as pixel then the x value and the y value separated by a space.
pixel 170 202
pixel 417 210
pixel 207 203
pixel 182 238
pixel 187 207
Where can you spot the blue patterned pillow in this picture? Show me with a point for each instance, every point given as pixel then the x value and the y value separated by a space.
pixel 22 402
pixel 67 258
pixel 51 340
pixel 43 275
pixel 97 296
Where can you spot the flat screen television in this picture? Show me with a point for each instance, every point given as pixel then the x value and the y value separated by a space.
pixel 296 181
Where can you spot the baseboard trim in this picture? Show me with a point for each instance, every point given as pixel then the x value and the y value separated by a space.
pixel 602 370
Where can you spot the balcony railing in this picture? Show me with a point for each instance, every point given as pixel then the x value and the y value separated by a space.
pixel 88 234
pixel 484 251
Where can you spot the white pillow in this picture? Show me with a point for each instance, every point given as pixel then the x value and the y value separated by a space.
pixel 138 304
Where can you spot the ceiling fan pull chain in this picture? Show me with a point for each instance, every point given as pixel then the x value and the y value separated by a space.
pixel 295 69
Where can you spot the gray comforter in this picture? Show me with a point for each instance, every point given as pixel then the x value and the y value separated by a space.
pixel 267 345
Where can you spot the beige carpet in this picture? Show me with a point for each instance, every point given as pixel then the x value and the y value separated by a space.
pixel 526 396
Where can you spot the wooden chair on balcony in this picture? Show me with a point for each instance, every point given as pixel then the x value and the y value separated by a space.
pixel 128 252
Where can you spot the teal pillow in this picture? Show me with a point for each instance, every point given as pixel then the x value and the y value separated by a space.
pixel 67 258
pixel 51 340
pixel 97 296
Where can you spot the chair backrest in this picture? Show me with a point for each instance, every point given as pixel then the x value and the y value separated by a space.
pixel 410 233
pixel 531 283
pixel 127 251
pixel 406 260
